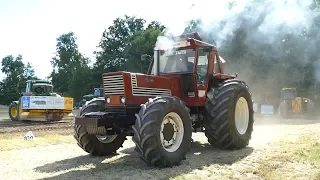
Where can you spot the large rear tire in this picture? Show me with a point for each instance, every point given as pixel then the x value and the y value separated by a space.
pixel 14 112
pixel 162 132
pixel 94 144
pixel 229 115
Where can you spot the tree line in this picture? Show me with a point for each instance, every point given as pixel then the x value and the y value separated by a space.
pixel 289 60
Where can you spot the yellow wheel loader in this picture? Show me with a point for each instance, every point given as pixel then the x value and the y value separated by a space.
pixel 39 102
pixel 291 105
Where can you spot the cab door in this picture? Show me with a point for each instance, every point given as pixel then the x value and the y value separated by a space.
pixel 28 89
pixel 205 55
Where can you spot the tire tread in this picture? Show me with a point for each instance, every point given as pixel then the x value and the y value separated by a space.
pixel 219 112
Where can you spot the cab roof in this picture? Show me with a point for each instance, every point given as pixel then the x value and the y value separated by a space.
pixel 38 81
pixel 288 89
pixel 190 39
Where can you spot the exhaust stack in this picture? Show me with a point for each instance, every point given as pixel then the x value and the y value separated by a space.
pixel 156 56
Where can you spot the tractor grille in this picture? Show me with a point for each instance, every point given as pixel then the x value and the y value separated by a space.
pixel 143 91
pixel 113 85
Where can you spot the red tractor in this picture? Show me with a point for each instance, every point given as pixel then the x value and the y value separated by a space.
pixel 185 90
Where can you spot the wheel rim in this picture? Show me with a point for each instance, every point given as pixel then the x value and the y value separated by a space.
pixel 171 132
pixel 242 115
pixel 106 138
pixel 14 112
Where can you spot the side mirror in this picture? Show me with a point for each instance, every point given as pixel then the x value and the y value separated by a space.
pixel 145 57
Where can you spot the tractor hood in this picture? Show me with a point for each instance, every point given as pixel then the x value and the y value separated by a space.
pixel 135 88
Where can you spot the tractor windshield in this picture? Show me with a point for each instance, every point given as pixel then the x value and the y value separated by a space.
pixel 288 94
pixel 42 88
pixel 176 61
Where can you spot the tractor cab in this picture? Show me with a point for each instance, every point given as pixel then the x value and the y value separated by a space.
pixel 195 62
pixel 38 88
pixel 188 54
pixel 98 92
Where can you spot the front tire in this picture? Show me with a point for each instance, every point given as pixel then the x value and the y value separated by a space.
pixel 229 115
pixel 94 144
pixel 284 110
pixel 162 132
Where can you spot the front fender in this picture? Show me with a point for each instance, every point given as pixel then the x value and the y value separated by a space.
pixel 99 101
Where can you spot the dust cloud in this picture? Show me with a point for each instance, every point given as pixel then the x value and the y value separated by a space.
pixel 257 38
pixel 266 42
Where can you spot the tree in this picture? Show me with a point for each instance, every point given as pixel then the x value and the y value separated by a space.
pixel 16 75
pixel 111 57
pixel 140 43
pixel 122 45
pixel 29 73
pixel 71 74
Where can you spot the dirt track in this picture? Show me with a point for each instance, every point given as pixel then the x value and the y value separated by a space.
pixel 68 161
pixel 6 125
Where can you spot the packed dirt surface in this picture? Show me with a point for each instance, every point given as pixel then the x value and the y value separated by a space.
pixel 68 161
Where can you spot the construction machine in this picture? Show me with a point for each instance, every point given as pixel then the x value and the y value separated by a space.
pixel 39 102
pixel 292 105
pixel 185 90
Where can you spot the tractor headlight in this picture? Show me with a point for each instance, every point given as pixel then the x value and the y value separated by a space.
pixel 108 100
pixel 123 100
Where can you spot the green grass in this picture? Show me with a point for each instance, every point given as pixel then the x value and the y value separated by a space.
pixel 12 141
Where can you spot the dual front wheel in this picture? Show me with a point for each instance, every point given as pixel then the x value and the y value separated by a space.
pixel 162 132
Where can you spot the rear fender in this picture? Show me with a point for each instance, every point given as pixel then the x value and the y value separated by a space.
pixel 15 102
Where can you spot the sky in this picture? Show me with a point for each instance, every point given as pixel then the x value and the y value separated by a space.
pixel 30 27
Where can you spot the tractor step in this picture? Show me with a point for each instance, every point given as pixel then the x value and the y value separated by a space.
pixel 95 119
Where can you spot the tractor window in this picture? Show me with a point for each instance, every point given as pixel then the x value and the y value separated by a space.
pixel 288 95
pixel 28 87
pixel 202 66
pixel 176 61
pixel 41 88
pixel 97 92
